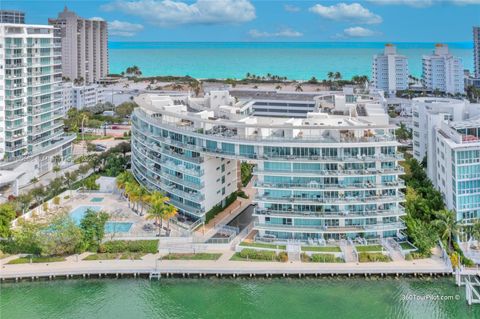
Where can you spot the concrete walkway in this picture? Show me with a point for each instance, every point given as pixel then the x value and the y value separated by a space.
pixel 221 266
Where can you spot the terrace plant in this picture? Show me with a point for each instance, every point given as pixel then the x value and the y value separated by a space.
pixel 92 227
pixel 159 209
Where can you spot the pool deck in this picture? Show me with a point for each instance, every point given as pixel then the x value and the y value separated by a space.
pixel 149 264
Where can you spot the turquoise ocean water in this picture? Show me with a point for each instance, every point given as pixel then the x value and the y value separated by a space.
pixel 295 60
pixel 335 298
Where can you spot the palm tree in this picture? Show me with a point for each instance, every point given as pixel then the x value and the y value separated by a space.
pixel 298 88
pixel 330 75
pixel 170 212
pixel 476 230
pixel 337 76
pixel 158 209
pixel 447 225
pixel 132 189
pixel 143 196
pixel 122 180
pixel 70 178
pixel 56 169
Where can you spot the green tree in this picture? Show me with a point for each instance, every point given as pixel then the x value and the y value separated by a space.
pixel 38 193
pixel 7 215
pixel 24 201
pixel 26 236
pixel 92 226
pixel 61 237
pixel 447 226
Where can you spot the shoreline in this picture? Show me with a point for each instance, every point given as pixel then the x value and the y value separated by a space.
pixel 149 267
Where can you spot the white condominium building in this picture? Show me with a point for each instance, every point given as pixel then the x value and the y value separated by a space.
pixel 31 123
pixel 390 71
pixel 331 174
pixel 447 132
pixel 443 71
pixel 84 46
pixel 83 96
pixel 457 174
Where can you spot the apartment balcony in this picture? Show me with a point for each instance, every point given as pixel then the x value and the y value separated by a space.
pixel 15 147
pixel 330 173
pixel 340 200
pixel 14 97
pixel 17 116
pixel 54 116
pixel 16 126
pixel 329 215
pixel 13 86
pixel 15 65
pixel 15 76
pixel 14 46
pixel 45 138
pixel 15 106
pixel 39 110
pixel 16 137
pixel 15 55
pixel 330 229
pixel 192 196
pixel 315 185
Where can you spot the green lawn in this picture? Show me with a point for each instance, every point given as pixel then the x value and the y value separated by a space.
pixel 237 257
pixel 369 248
pixel 198 256
pixel 114 256
pixel 91 137
pixel 35 259
pixel 406 246
pixel 328 249
pixel 262 245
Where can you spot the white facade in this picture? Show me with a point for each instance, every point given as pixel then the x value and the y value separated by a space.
pixel 331 175
pixel 427 114
pixel 31 117
pixel 389 71
pixel 443 71
pixel 81 97
pixel 84 46
pixel 457 167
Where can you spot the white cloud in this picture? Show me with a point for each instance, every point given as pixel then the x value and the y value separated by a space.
pixel 284 33
pixel 167 12
pixel 358 32
pixel 97 18
pixel 291 8
pixel 123 29
pixel 424 3
pixel 353 12
pixel 411 3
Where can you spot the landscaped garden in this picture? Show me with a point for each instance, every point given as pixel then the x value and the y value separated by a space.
pixel 188 256
pixel 321 258
pixel 249 254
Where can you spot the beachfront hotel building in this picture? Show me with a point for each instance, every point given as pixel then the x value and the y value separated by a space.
pixel 447 132
pixel 442 71
pixel 31 123
pixel 390 71
pixel 84 46
pixel 331 174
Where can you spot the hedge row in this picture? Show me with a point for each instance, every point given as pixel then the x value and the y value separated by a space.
pixel 134 246
pixel 373 257
pixel 254 254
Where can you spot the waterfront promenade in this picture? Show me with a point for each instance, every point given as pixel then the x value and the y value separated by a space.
pixel 222 267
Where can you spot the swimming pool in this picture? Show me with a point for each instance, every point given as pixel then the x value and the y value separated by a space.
pixel 78 213
pixel 110 227
pixel 117 227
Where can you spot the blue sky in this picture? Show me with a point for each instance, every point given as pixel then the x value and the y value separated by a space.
pixel 250 20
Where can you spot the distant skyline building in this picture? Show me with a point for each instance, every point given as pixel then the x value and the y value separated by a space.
pixel 476 51
pixel 84 46
pixel 12 16
pixel 443 71
pixel 82 96
pixel 390 71
pixel 31 119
